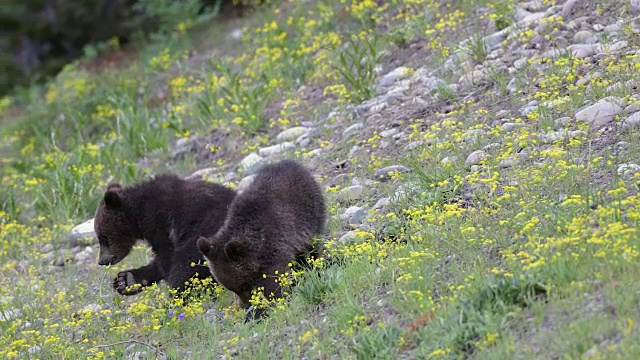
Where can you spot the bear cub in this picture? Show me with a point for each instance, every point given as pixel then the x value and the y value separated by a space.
pixel 169 213
pixel 268 226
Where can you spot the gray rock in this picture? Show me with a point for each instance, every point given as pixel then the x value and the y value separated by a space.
pixel 412 145
pixel 631 122
pixel 492 146
pixel 382 203
pixel 385 173
pixel 402 192
pixel 473 134
pixel 34 349
pixel 562 122
pixel 276 149
pixel 292 133
pixel 449 159
pixel 84 255
pixel 520 63
pixel 84 230
pixel 393 76
pixel 314 152
pixel 351 193
pixel 354 215
pixel 582 51
pixel 510 126
pixel 558 135
pixel 475 77
pixel 476 157
pixel 507 163
pixel 206 174
pixel 10 314
pixel 567 8
pixel 304 142
pixel 251 164
pixel 628 170
pixel 532 19
pixel 635 7
pixel 584 37
pixel 512 86
pixel 601 113
pixel 348 237
pixel 352 130
pixel 389 132
pixel 632 108
pixel 245 182
pixel 46 249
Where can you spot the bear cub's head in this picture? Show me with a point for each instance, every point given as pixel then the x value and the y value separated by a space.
pixel 114 226
pixel 233 260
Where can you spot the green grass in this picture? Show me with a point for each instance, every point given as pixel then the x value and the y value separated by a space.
pixel 538 259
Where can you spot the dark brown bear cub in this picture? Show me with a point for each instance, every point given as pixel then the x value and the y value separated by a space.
pixel 170 214
pixel 268 226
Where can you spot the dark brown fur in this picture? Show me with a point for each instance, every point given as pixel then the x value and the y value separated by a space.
pixel 268 226
pixel 170 214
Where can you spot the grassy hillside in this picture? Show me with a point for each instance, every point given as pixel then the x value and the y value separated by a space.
pixel 480 161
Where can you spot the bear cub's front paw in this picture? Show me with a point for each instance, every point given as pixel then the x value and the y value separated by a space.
pixel 126 284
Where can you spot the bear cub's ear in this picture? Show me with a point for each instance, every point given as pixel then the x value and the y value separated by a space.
pixel 204 245
pixel 235 250
pixel 114 196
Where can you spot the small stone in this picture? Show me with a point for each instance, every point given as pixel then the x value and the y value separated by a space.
pixel 348 237
pixel 510 126
pixel 245 182
pixel 34 349
pixel 633 108
pixel 304 142
pixel 600 113
pixel 84 230
pixel 354 215
pixel 449 160
pixel 476 157
pixel 10 314
pixel 382 203
pixel 475 77
pixel 532 19
pixel 412 145
pixel 520 63
pixel 84 255
pixel 473 134
pixel 393 76
pixel 374 119
pixel 582 51
pixel 389 132
pixel 210 173
pixel 292 133
pixel 631 122
pixel 351 193
pixel 635 7
pixel 252 163
pixel 628 170
pixel 584 37
pixel 567 8
pixel 46 249
pixel 94 308
pixel 492 146
pixel 276 149
pixel 314 152
pixel 236 34
pixel 385 173
pixel 352 130
pixel 507 163
pixel 562 122
pixel 512 86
